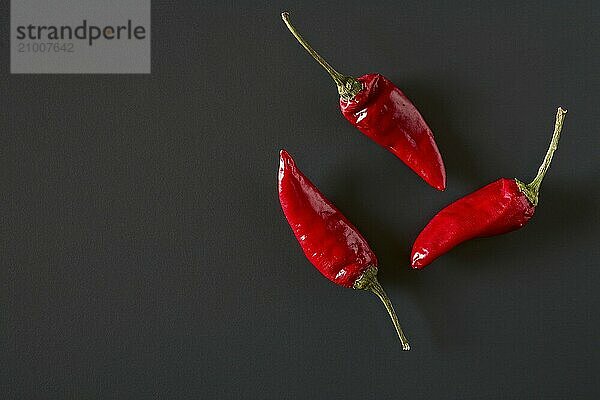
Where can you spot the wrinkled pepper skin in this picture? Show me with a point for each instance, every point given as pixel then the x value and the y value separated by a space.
pixel 383 113
pixel 329 241
pixel 500 207
pixel 497 208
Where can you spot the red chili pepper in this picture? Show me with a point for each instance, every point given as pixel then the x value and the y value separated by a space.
pixel 382 112
pixel 500 207
pixel 329 241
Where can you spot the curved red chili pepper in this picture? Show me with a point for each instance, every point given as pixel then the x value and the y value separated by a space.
pixel 382 112
pixel 329 241
pixel 500 207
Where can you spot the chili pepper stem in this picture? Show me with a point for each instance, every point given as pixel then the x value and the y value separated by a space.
pixel 347 86
pixel 531 190
pixel 368 281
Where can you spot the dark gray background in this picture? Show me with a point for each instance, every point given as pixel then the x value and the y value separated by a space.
pixel 145 254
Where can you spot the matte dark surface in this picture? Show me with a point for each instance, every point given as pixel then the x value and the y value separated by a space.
pixel 145 255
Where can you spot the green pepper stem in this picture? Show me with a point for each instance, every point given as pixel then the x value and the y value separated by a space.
pixel 347 86
pixel 532 190
pixel 368 281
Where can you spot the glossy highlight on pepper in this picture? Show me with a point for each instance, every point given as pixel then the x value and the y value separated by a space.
pixel 377 108
pixel 329 241
pixel 382 112
pixel 500 207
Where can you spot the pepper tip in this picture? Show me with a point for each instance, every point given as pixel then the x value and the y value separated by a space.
pixel 436 179
pixel 285 159
pixel 284 154
pixel 441 181
pixel 415 260
pixel 285 15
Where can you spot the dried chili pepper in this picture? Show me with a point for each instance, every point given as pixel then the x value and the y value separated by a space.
pixel 502 206
pixel 329 241
pixel 382 112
